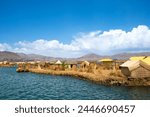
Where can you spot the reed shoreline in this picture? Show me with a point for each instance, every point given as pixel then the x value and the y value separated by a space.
pixel 100 79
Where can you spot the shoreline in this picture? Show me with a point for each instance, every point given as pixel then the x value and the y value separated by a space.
pixel 100 79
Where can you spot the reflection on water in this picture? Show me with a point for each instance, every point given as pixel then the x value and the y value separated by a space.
pixel 37 86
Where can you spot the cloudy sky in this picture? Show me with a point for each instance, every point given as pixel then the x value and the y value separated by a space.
pixel 72 28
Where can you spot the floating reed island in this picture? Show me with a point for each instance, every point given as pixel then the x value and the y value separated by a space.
pixel 132 72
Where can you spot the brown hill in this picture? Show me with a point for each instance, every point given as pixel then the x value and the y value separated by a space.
pixel 11 56
pixel 90 57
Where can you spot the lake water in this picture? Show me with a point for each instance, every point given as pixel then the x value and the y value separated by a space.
pixel 29 86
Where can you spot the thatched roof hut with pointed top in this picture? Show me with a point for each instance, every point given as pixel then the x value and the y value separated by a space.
pixel 58 62
pixel 58 65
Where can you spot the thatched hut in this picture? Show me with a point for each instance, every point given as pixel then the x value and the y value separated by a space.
pixel 107 63
pixel 58 62
pixel 5 62
pixel 71 65
pixel 59 65
pixel 135 69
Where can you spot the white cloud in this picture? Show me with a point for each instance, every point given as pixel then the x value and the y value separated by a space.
pixel 4 47
pixel 107 42
pixel 112 41
pixel 48 48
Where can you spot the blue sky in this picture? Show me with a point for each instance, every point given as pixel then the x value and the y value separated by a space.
pixel 27 21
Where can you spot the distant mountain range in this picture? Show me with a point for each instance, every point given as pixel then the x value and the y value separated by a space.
pixel 123 56
pixel 11 56
pixel 90 57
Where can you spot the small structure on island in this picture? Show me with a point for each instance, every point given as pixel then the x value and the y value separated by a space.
pixel 5 62
pixel 136 67
pixel 58 62
pixel 72 65
pixel 106 63
pixel 58 65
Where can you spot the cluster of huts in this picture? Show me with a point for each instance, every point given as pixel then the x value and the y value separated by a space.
pixel 82 66
pixel 135 67
pixel 6 64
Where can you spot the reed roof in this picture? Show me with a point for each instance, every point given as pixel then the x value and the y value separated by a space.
pixel 135 58
pixel 132 65
pixel 106 60
pixel 147 60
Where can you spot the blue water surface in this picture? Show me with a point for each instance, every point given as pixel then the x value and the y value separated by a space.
pixel 20 86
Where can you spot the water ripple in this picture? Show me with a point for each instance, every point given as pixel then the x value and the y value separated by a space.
pixel 37 86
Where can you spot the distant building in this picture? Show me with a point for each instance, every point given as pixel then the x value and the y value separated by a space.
pixel 5 62
pixel 58 62
pixel 106 60
pixel 71 64
pixel 106 63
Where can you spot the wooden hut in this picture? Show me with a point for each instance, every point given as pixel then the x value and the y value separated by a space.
pixel 135 69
